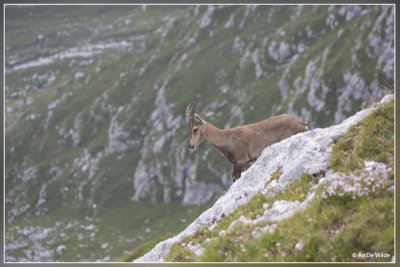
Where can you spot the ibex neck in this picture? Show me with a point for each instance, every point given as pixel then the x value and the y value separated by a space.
pixel 215 135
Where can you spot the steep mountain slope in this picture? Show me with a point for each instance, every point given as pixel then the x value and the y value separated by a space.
pixel 95 96
pixel 295 178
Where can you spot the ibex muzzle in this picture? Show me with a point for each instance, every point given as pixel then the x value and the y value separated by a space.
pixel 242 144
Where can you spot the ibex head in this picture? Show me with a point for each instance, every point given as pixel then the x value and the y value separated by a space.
pixel 196 126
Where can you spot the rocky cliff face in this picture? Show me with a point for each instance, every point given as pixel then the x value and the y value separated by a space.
pixel 94 105
pixel 305 153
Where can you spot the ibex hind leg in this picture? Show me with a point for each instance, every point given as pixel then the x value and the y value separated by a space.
pixel 234 178
pixel 237 172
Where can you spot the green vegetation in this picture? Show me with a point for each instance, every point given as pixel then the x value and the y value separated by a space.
pixel 370 139
pixel 77 128
pixel 329 230
pixel 297 190
pixel 275 175
pixel 145 247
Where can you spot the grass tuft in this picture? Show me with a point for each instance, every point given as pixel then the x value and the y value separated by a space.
pixel 370 139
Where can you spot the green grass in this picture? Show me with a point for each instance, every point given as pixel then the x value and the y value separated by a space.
pixel 330 230
pixel 275 175
pixel 296 191
pixel 145 247
pixel 370 139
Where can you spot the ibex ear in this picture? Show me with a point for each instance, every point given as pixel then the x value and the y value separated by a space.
pixel 198 119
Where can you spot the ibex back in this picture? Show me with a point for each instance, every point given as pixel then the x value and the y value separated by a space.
pixel 242 144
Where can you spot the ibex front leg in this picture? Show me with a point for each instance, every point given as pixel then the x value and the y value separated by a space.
pixel 237 171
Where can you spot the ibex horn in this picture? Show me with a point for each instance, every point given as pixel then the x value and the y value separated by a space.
pixel 190 112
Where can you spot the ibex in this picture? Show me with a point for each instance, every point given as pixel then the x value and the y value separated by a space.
pixel 241 144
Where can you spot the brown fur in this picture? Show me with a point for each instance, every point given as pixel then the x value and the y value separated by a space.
pixel 243 144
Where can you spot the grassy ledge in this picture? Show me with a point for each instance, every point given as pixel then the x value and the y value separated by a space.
pixel 370 139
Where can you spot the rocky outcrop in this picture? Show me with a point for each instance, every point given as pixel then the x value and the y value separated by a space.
pixel 307 152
